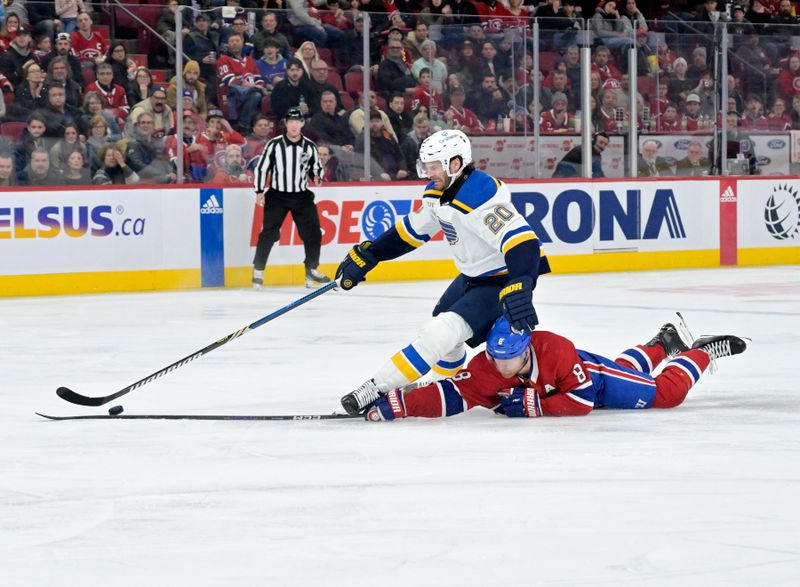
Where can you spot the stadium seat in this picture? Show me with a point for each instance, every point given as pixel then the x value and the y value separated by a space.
pixel 547 60
pixel 88 75
pixel 354 82
pixel 139 59
pixel 347 100
pixel 12 129
pixel 646 86
pixel 325 54
pixel 335 79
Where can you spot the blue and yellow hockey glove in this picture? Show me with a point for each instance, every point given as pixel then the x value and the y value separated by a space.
pixel 517 300
pixel 358 262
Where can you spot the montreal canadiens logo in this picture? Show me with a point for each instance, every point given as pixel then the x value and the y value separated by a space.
pixel 378 217
pixel 782 213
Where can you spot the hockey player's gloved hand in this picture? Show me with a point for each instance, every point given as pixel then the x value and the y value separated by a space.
pixel 516 298
pixel 519 402
pixel 387 407
pixel 358 262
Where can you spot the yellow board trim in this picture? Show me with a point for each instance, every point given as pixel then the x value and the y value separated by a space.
pixel 406 368
pixel 769 256
pixel 98 282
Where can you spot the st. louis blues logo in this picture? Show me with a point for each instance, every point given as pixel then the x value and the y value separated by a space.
pixel 449 231
pixel 377 218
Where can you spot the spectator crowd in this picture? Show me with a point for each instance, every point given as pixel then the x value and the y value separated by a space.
pixel 81 106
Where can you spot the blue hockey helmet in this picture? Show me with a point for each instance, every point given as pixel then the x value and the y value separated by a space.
pixel 503 343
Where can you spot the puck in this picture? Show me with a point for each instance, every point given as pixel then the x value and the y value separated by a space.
pixel 115 411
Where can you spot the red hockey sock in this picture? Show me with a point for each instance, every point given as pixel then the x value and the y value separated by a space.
pixel 678 377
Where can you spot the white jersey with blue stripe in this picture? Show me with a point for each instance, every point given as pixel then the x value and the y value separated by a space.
pixel 480 224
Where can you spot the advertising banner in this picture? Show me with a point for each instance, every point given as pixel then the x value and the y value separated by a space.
pixel 769 213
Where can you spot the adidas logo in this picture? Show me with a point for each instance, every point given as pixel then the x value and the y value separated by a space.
pixel 728 195
pixel 211 206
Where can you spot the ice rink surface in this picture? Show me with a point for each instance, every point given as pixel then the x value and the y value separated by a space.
pixel 704 494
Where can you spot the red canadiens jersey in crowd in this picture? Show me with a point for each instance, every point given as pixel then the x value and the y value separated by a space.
pixel 423 97
pixel 669 126
pixel 557 372
pixel 607 121
pixel 549 124
pixel 215 148
pixel 607 71
pixel 232 71
pixel 493 17
pixel 113 99
pixel 88 49
pixel 189 158
pixel 466 118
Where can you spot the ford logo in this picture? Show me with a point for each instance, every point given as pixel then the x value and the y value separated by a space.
pixel 776 144
pixel 682 144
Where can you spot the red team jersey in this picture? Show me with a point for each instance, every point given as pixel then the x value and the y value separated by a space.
pixel 426 97
pixel 548 124
pixel 114 99
pixel 493 19
pixel 557 375
pixel 216 147
pixel 88 49
pixel 466 119
pixel 233 71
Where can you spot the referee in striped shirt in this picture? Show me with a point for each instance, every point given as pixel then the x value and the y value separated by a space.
pixel 281 185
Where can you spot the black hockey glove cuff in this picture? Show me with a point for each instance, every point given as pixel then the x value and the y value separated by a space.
pixel 358 262
pixel 516 298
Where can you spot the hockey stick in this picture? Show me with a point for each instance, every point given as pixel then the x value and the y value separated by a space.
pixel 296 417
pixel 84 400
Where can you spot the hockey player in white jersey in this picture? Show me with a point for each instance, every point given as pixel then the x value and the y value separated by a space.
pixel 496 252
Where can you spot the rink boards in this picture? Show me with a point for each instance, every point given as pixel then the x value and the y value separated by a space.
pixel 145 238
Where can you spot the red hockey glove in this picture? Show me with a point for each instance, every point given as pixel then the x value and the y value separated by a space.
pixel 519 402
pixel 387 407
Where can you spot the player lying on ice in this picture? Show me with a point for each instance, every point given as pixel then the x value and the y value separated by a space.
pixel 496 252
pixel 543 374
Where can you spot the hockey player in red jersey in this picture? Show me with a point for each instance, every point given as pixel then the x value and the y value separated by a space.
pixel 89 45
pixel 543 374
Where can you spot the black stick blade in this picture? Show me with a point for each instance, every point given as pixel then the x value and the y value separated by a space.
pixel 67 394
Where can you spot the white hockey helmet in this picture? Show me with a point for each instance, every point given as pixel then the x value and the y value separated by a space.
pixel 442 146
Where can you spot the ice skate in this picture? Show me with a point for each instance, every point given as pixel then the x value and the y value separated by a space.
pixel 362 398
pixel 721 345
pixel 315 279
pixel 673 338
pixel 258 278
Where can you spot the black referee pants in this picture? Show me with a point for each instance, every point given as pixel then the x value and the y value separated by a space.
pixel 304 212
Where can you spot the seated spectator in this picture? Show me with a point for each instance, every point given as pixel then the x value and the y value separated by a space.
pixel 272 64
pixel 788 84
pixel 113 95
pixel 30 94
pixel 195 163
pixel 140 87
pixel 738 144
pixel 293 92
pixel 384 149
pixel 493 15
pixel 666 57
pixel 191 82
pixel 356 118
pixel 218 135
pixel 694 164
pixel 263 131
pixel 114 170
pixel 269 31
pixel 691 113
pixel 123 66
pixel 352 51
pixel 426 94
pixel 488 62
pixel 328 125
pixel 8 176
pixel 202 46
pixel 58 74
pixel 88 43
pixel 571 165
pixel 42 15
pixel 601 64
pixel 306 53
pixel 238 27
pixel 752 65
pixel 660 101
pixel 70 141
pixel 609 116
pixel 777 119
pixel 610 28
pixel 76 171
pixel 63 48
pixel 332 170
pixel 409 147
pixel 319 84
pixel 239 74
pixel 233 171
pixel 699 67
pixel 307 26
pixel 156 107
pixel 753 117
pixel 459 115
pixel 784 22
pixel 394 75
pixel 145 155
pixel 679 86
pixel 32 138
pixel 42 46
pixel 669 121
pixel 429 61
pixel 489 101
pixel 92 107
pixel 465 63
pixel 188 109
pixel 39 172
pixel 415 38
pixel 56 113
pixel 19 53
pixel 400 119
pixel 558 119
pixel 8 31
pixel 335 16
pixel 651 164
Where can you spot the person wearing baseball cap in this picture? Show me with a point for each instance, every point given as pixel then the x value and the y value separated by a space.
pixel 692 114
pixel 63 48
pixel 19 52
